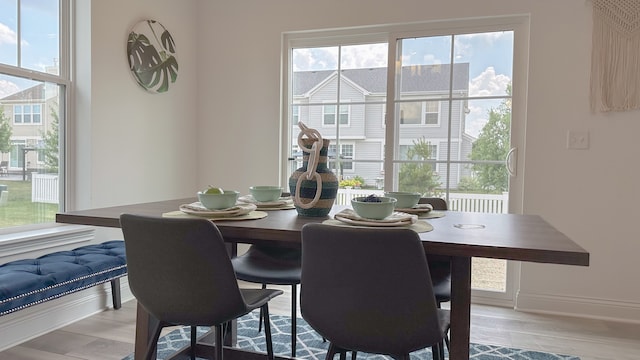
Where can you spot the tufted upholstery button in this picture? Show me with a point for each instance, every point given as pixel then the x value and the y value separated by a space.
pixel 24 283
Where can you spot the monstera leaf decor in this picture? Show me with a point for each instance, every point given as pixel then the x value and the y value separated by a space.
pixel 152 56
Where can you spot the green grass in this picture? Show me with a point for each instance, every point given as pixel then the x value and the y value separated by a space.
pixel 19 210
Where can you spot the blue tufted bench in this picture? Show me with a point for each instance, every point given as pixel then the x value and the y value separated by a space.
pixel 24 283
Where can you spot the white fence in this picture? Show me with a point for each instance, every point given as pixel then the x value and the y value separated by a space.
pixel 44 188
pixel 489 203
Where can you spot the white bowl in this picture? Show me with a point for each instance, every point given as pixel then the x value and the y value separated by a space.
pixel 266 193
pixel 218 201
pixel 373 210
pixel 406 200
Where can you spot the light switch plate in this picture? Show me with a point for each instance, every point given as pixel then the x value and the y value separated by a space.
pixel 577 140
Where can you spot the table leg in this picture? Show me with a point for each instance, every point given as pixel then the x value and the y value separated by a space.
pixel 144 326
pixel 460 308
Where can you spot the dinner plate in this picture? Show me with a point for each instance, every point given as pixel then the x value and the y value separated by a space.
pixel 349 216
pixel 418 209
pixel 197 209
pixel 372 223
pixel 283 202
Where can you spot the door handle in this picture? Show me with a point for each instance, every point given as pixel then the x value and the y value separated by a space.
pixel 510 163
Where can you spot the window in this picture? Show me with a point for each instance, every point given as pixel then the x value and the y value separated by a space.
pixel 329 114
pixel 435 120
pixel 27 114
pixel 34 73
pixel 341 160
pixel 431 116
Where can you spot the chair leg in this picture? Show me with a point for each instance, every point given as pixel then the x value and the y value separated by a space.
pixel 354 355
pixel 219 342
pixel 437 351
pixel 153 342
pixel 267 331
pixel 194 339
pixel 331 352
pixel 264 286
pixel 294 317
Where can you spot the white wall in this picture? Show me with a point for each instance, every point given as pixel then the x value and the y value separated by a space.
pixel 134 146
pixel 239 104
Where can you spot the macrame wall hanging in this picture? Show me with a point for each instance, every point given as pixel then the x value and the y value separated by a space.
pixel 615 55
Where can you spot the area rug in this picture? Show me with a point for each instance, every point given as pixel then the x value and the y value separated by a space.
pixel 310 345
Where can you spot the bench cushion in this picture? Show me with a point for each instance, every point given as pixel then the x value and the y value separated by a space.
pixel 28 282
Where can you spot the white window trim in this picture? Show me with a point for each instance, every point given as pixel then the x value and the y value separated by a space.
pixel 63 79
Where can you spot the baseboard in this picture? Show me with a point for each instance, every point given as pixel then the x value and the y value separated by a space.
pixel 40 319
pixel 580 307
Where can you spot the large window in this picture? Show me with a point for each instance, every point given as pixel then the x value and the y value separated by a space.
pixel 429 107
pixel 34 83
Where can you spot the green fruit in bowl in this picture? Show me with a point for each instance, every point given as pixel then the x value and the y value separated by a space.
pixel 213 190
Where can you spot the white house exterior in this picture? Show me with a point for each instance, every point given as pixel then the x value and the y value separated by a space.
pixel 362 112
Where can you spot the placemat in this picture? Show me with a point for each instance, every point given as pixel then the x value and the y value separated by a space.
pixel 434 214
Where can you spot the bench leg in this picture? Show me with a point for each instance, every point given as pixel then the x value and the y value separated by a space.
pixel 115 293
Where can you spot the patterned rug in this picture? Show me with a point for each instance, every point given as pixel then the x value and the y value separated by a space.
pixel 310 345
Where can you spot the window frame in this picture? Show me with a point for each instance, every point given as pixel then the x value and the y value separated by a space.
pixel 63 81
pixel 519 24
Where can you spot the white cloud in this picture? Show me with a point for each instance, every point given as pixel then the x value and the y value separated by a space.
pixel 7 36
pixel 364 56
pixel 488 83
pixel 7 88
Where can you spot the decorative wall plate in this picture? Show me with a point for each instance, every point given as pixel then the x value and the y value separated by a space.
pixel 152 56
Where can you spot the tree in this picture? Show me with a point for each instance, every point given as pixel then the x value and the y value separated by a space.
pixel 5 133
pixel 493 144
pixel 51 141
pixel 418 177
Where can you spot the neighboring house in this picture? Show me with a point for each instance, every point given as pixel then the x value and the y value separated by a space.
pixel 29 113
pixel 362 112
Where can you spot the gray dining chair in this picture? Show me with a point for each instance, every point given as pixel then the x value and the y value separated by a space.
pixel 369 290
pixel 273 265
pixel 180 272
pixel 439 265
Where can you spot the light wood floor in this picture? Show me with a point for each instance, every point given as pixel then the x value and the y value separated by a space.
pixel 110 335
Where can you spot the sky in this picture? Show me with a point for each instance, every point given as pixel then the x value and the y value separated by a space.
pixel 39 38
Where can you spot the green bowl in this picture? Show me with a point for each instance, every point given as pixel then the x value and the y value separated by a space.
pixel 406 200
pixel 373 210
pixel 218 201
pixel 266 193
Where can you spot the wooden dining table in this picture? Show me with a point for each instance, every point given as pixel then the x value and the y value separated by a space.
pixel 461 235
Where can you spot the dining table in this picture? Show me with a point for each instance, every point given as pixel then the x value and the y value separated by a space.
pixel 460 235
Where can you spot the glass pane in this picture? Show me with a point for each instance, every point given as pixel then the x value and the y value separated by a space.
pixel 349 111
pixel 489 274
pixel 29 152
pixel 40 35
pixel 489 124
pixel 364 72
pixel 425 67
pixel 8 32
pixel 489 58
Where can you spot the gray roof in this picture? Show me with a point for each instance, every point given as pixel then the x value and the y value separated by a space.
pixel 419 78
pixel 33 93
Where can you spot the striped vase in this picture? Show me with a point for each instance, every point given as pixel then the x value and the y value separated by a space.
pixel 308 187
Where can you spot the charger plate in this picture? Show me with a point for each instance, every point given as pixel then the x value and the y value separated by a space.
pixel 197 209
pixel 395 219
pixel 253 215
pixel 284 203
pixel 418 226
